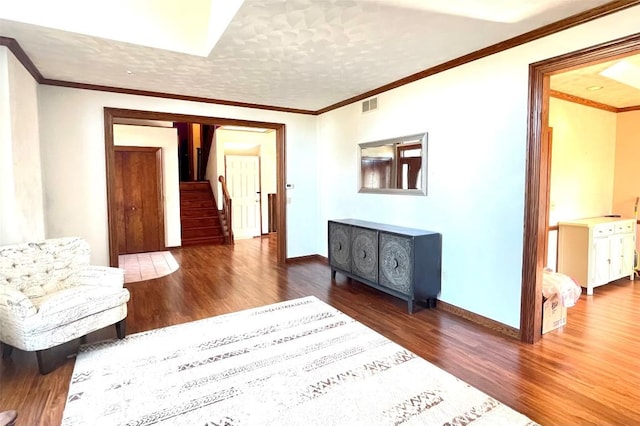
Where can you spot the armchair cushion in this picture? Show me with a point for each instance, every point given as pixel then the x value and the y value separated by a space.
pixel 103 276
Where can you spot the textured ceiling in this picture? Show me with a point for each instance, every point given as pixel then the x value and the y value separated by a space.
pixel 303 54
pixel 612 92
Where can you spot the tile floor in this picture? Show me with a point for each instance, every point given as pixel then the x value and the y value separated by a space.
pixel 146 266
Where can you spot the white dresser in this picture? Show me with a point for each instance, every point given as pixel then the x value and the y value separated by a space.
pixel 596 251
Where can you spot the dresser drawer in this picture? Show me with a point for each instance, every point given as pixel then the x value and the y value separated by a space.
pixel 624 227
pixel 603 229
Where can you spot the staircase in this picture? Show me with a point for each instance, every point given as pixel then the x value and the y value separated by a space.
pixel 199 217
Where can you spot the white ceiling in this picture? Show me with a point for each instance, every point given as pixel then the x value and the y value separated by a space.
pixel 303 54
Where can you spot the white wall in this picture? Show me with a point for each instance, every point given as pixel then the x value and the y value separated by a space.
pixel 582 161
pixel 21 188
pixel 72 143
pixel 7 191
pixel 165 138
pixel 476 117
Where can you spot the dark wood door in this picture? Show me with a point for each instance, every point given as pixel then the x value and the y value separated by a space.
pixel 138 193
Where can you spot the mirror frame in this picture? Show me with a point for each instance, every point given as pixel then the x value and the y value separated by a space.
pixel 418 137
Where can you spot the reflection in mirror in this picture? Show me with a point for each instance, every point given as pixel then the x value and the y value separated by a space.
pixel 397 165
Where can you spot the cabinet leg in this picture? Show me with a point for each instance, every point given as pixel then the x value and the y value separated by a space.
pixel 589 291
pixel 333 274
pixel 412 306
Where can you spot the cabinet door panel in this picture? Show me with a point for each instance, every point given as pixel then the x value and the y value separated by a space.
pixel 396 262
pixel 601 261
pixel 364 253
pixel 616 257
pixel 340 246
pixel 628 254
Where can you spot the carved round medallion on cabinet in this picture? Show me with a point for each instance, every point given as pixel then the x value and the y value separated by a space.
pixel 364 252
pixel 396 266
pixel 339 237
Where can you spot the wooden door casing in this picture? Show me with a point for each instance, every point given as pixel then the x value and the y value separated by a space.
pixel 113 114
pixel 138 198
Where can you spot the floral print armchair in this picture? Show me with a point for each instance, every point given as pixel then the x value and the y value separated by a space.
pixel 49 295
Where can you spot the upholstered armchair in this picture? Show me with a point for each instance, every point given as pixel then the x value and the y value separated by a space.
pixel 50 295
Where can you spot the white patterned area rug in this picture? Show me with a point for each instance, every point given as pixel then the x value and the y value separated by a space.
pixel 299 362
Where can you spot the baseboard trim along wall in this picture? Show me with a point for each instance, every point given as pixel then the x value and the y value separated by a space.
pixel 479 319
pixel 443 306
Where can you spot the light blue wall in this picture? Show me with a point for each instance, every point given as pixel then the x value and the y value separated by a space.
pixel 476 117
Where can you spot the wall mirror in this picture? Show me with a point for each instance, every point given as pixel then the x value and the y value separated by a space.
pixel 394 166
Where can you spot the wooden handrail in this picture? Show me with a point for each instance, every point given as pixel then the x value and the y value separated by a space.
pixel 226 208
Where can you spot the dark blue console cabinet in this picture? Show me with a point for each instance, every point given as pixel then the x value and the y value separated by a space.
pixel 400 261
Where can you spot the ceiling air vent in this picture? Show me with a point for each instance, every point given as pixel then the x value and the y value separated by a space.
pixel 370 105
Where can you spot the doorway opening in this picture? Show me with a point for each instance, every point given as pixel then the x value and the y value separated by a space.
pixel 536 214
pixel 113 115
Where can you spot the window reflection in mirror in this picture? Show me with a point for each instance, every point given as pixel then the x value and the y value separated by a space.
pixel 396 165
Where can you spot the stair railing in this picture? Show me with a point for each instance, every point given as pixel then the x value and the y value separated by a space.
pixel 226 210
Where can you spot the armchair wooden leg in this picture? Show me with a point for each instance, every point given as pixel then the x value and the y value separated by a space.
pixel 6 350
pixel 121 328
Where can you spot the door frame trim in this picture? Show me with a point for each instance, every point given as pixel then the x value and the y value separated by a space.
pixel 159 193
pixel 536 206
pixel 110 114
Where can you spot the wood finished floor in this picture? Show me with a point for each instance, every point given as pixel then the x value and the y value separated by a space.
pixel 586 373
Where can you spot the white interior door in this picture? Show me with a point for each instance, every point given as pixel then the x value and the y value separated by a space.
pixel 243 180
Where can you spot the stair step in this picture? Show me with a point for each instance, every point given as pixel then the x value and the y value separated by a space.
pixel 199 222
pixel 202 241
pixel 199 215
pixel 204 231
pixel 196 203
pixel 197 212
pixel 195 195
pixel 195 186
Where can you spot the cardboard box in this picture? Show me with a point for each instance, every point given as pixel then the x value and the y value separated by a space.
pixel 554 315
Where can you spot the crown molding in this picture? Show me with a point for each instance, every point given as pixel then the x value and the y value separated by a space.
pixel 137 92
pixel 549 29
pixel 20 54
pixel 631 108
pixel 582 101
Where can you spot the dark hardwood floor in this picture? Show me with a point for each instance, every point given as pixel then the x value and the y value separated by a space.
pixel 586 373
